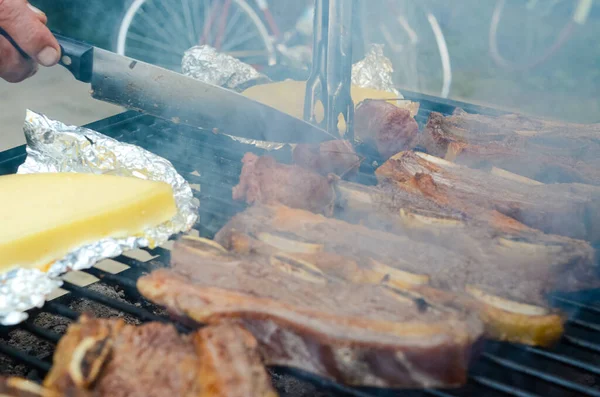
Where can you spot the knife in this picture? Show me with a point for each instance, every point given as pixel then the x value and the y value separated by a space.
pixel 169 95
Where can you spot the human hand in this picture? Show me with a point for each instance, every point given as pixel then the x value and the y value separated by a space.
pixel 27 27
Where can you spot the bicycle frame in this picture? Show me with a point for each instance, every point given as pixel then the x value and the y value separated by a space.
pixel 265 13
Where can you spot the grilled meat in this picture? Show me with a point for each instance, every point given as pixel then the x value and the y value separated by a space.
pixel 263 181
pixel 546 151
pixel 17 387
pixel 230 365
pixel 490 237
pixel 387 127
pixel 570 210
pixel 110 358
pixel 509 296
pixel 332 157
pixel 303 318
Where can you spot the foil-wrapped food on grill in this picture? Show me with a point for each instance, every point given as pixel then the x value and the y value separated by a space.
pixel 78 198
pixel 394 126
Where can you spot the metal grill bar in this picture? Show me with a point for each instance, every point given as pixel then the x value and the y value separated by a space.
pixel 217 160
pixel 502 387
pixel 579 305
pixel 562 359
pixel 541 375
pixel 437 393
pixel 25 358
pixel 586 325
pixel 41 332
pixel 115 304
pixel 61 310
pixel 111 278
pixel 582 343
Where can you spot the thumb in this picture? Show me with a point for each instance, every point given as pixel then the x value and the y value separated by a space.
pixel 28 30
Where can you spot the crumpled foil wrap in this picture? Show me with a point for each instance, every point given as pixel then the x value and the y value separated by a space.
pixel 206 64
pixel 55 147
pixel 210 66
pixel 375 71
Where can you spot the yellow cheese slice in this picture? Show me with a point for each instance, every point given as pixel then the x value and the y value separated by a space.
pixel 288 97
pixel 44 216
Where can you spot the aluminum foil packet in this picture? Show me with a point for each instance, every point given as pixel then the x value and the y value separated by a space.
pixel 206 64
pixel 210 66
pixel 55 147
pixel 375 71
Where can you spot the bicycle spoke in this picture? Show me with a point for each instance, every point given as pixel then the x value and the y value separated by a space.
pixel 166 23
pixel 176 20
pixel 248 53
pixel 208 11
pixel 188 21
pixel 157 44
pixel 155 57
pixel 156 27
pixel 238 37
pixel 160 31
pixel 232 22
pixel 239 41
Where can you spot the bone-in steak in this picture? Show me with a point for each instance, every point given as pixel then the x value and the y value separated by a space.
pixel 571 210
pixel 336 157
pixel 110 358
pixel 18 387
pixel 511 293
pixel 486 236
pixel 265 181
pixel 303 318
pixel 543 150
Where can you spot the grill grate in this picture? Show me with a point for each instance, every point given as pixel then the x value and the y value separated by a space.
pixel 213 162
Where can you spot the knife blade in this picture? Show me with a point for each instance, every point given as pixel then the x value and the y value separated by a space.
pixel 181 99
pixel 150 89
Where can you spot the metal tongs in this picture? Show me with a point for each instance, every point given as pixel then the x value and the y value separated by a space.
pixel 330 79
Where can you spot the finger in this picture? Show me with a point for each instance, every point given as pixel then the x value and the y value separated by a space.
pixel 26 28
pixel 41 15
pixel 13 67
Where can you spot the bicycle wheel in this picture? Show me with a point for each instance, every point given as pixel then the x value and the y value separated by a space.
pixel 530 31
pixel 160 31
pixel 413 41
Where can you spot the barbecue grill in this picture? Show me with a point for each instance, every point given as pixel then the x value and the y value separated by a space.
pixel 211 164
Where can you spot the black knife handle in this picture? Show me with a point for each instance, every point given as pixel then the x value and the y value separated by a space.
pixel 77 57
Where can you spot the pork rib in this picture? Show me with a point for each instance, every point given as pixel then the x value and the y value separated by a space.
pixel 302 318
pixel 509 297
pixel 385 126
pixel 546 151
pixel 264 181
pixel 230 365
pixel 485 237
pixel 332 157
pixel 110 358
pixel 571 210
pixel 18 387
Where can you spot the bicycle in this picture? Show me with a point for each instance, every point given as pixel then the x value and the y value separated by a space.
pixel 535 11
pixel 160 31
pixel 415 42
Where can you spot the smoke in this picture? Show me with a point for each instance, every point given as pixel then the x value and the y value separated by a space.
pixel 559 86
pixel 95 22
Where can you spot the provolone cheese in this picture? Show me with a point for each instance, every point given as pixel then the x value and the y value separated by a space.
pixel 288 97
pixel 44 216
